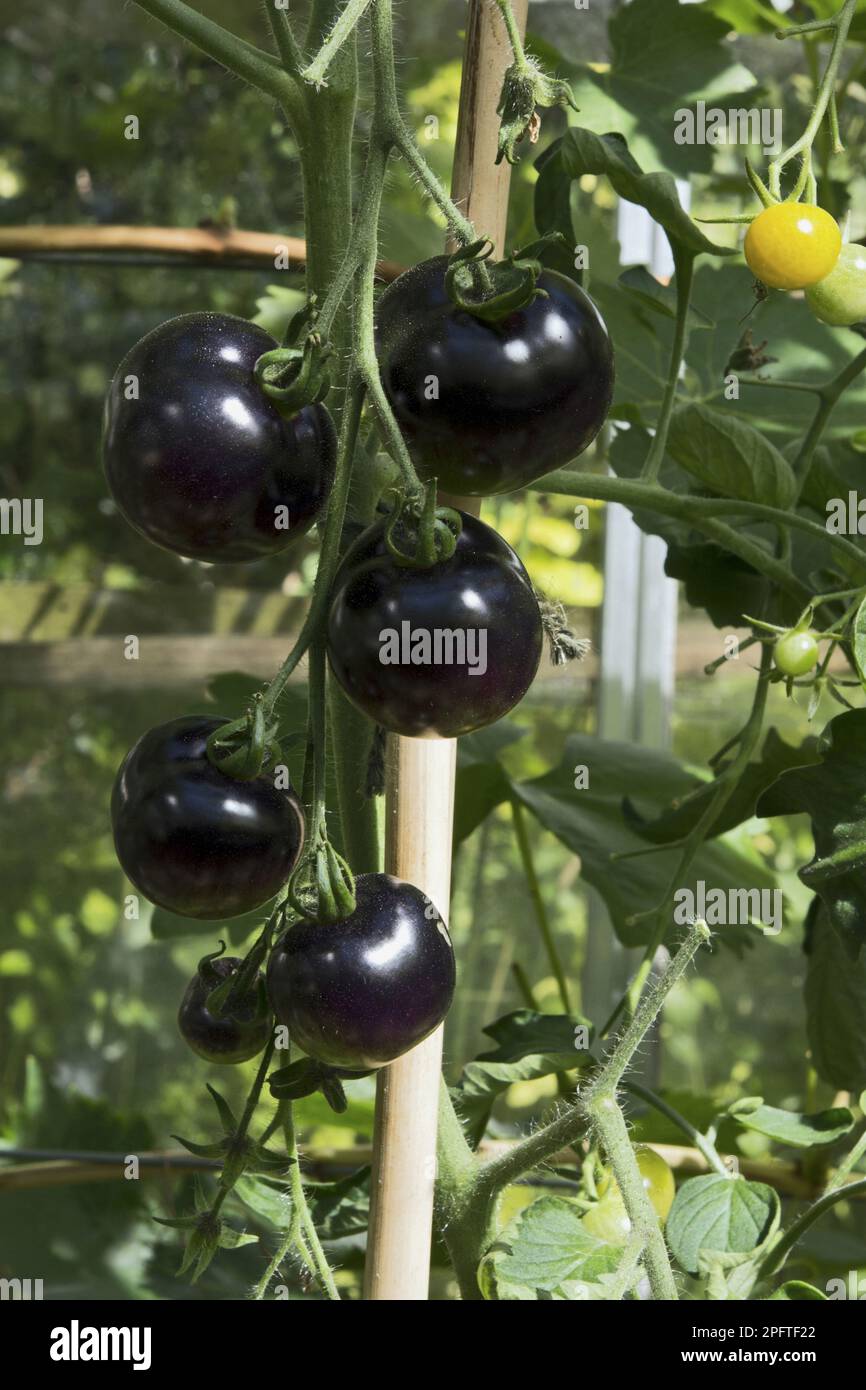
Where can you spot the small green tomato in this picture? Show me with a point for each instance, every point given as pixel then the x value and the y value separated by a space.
pixel 840 298
pixel 608 1220
pixel 796 653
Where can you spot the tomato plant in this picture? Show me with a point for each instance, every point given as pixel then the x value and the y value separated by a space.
pixel 473 374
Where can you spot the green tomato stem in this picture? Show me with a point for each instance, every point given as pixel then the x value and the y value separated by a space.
pixel 609 1123
pixel 795 1232
pixel 700 1141
pixel 626 1270
pixel 724 788
pixel 830 395
pixel 846 1166
pixel 344 25
pixel 513 31
pixel 684 263
pixel 258 68
pixel 840 26
pixel 541 917
pixel 284 36
pixel 330 552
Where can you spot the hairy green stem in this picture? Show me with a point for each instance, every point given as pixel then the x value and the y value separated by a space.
pixel 847 1165
pixel 513 31
pixel 468 1191
pixel 344 25
pixel 305 1232
pixel 246 61
pixel 830 395
pixel 330 550
pixel 795 1232
pixel 636 495
pixel 627 1269
pixel 392 127
pixel 541 917
pixel 609 1123
pixel 287 44
pixel 700 1141
pixel 684 264
pixel 840 26
pixel 724 787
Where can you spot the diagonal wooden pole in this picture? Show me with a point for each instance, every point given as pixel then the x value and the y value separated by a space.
pixel 419 805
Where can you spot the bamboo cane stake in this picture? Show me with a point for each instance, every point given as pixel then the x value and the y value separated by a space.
pixel 227 248
pixel 420 778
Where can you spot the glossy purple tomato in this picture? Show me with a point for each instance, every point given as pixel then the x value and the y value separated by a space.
pixel 396 636
pixel 194 840
pixel 225 1038
pixel 360 992
pixel 201 462
pixel 489 407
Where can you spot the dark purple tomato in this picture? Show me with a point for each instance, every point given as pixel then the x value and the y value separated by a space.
pixel 223 1038
pixel 438 651
pixel 489 407
pixel 194 840
pixel 360 992
pixel 202 462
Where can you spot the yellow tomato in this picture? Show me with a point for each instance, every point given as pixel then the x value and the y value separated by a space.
pixel 792 245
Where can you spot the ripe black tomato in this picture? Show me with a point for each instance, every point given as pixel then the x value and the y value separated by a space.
pixel 358 993
pixel 194 840
pixel 482 593
pixel 224 1038
pixel 201 461
pixel 489 407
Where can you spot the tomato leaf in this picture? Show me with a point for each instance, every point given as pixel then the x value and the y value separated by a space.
pixel 798 1131
pixel 729 456
pixel 859 641
pixel 676 820
pixel 835 1005
pixel 664 57
pixel 545 1250
pixel 720 1215
pixel 528 1045
pixel 586 153
pixel 591 822
pixel 796 1291
pixel 661 299
pixel 482 782
pixel 833 794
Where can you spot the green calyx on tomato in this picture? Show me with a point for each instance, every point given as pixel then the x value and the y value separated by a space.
pixel 840 298
pixel 790 246
pixel 608 1219
pixel 796 652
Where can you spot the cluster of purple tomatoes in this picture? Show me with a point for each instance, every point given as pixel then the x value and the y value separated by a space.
pixel 202 463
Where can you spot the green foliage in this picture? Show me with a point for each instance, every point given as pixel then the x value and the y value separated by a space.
pixel 832 794
pixel 91 1056
pixel 835 1005
pixel 720 1215
pixel 529 1045
pixel 545 1253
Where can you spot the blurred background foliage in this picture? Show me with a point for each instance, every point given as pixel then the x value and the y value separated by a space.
pixel 89 1054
